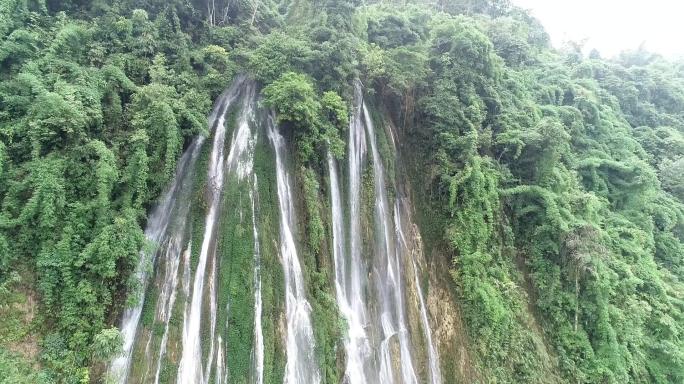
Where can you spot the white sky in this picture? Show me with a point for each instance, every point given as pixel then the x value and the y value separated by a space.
pixel 612 26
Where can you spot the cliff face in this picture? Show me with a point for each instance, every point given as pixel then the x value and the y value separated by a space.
pixel 368 297
pixel 393 193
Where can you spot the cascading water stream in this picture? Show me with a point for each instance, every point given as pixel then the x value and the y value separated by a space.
pixel 212 318
pixel 220 364
pixel 190 368
pixel 171 260
pixel 433 357
pixel 185 286
pixel 389 276
pixel 350 269
pixel 258 354
pixel 301 366
pixel 154 233
pixel 356 342
pixel 348 290
pixel 167 296
pixel 411 250
pixel 401 209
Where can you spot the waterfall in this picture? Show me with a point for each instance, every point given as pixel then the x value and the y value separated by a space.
pixel 402 210
pixel 369 289
pixel 187 274
pixel 258 355
pixel 190 368
pixel 374 359
pixel 388 281
pixel 155 231
pixel 349 298
pixel 301 367
pixel 410 250
pixel 350 268
pixel 171 260
pixel 212 316
pixel 220 365
pixel 167 296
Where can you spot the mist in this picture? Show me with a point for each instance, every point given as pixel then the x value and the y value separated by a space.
pixel 611 26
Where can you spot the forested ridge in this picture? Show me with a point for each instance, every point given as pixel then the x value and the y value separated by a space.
pixel 550 182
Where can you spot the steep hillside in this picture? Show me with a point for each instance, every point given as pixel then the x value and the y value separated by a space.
pixel 381 193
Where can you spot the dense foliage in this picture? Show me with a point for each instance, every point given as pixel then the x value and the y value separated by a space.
pixel 560 177
pixel 93 116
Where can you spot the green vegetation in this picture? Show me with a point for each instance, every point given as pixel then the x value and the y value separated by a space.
pixel 237 279
pixel 553 182
pixel 16 370
pixel 555 176
pixel 272 279
pixel 316 124
pixel 555 161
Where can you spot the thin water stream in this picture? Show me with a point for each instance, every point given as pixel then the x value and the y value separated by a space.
pixel 165 213
pixel 301 366
pixel 258 354
pixel 190 368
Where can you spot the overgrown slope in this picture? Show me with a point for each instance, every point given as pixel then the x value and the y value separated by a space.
pixel 551 183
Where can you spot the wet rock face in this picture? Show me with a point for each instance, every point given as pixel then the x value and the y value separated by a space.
pixel 431 280
pixel 413 316
pixel 449 333
pixel 201 322
pixel 415 266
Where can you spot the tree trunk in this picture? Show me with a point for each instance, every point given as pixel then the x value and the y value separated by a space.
pixel 576 297
pixel 256 6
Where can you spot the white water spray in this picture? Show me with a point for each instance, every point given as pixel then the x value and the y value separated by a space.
pixel 301 366
pixel 350 267
pixel 156 228
pixel 389 280
pixel 190 368
pixel 401 210
pixel 165 305
pixel 258 354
